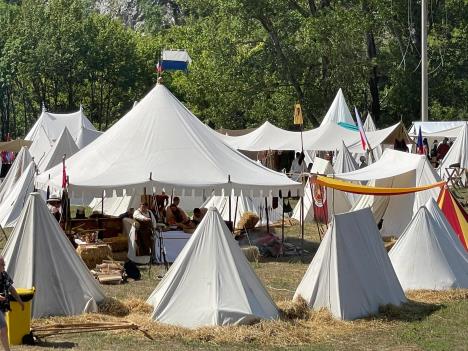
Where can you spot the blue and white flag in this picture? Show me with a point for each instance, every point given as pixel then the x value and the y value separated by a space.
pixel 176 60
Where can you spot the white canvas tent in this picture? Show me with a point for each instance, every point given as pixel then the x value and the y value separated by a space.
pixel 351 274
pixel 395 169
pixel 428 255
pixel 22 161
pixel 161 144
pixel 338 111
pixel 457 154
pixel 211 282
pixel 244 204
pixel 13 203
pixel 438 129
pixel 337 201
pixel 345 162
pixel 369 126
pixel 49 126
pixel 38 254
pixel 64 145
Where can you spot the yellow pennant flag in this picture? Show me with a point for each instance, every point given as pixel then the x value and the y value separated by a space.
pixel 298 114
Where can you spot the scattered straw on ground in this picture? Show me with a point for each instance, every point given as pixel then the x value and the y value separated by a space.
pixel 297 326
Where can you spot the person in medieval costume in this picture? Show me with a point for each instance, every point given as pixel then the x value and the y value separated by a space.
pixel 144 230
pixel 177 216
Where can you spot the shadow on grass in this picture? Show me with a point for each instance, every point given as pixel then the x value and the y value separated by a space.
pixel 411 311
pixel 56 344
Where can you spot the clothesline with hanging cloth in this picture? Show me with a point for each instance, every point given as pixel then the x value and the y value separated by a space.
pixel 370 190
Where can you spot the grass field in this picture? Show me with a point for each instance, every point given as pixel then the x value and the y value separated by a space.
pixel 429 321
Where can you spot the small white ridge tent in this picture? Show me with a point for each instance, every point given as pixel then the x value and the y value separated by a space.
pixel 337 201
pixel 338 111
pixel 395 169
pixel 428 255
pixel 351 274
pixel 63 146
pixel 211 282
pixel 21 162
pixel 245 204
pixel 439 129
pixel 13 203
pixel 457 154
pixel 159 145
pixel 38 254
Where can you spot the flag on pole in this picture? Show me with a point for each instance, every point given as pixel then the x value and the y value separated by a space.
pixel 298 114
pixel 362 133
pixel 419 144
pixel 64 174
pixel 159 68
pixel 175 60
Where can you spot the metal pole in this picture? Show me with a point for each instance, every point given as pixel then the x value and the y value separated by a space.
pixel 424 62
pixel 266 214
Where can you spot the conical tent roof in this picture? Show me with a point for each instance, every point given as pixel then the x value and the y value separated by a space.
pixel 458 152
pixel 63 146
pixel 22 161
pixel 455 215
pixel 38 254
pixel 428 255
pixel 10 208
pixel 161 144
pixel 211 282
pixel 338 111
pixel 351 274
pixel 344 161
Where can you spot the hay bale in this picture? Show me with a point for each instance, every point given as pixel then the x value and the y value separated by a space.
pixel 248 220
pixel 251 253
pixel 113 307
pixel 117 243
pixel 93 255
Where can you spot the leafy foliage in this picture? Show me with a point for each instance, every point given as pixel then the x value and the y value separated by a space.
pixel 252 60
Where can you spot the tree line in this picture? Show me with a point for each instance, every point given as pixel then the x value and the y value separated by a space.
pixel 252 59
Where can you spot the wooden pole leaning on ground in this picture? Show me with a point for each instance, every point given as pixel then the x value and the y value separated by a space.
pixel 75 328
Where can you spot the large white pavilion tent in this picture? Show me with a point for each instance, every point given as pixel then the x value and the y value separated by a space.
pixel 159 145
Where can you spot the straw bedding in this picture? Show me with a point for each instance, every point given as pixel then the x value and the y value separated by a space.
pixel 298 325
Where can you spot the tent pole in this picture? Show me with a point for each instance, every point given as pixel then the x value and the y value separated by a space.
pixel 266 214
pixel 282 227
pixel 235 214
pixel 102 202
pixel 230 214
pixel 302 224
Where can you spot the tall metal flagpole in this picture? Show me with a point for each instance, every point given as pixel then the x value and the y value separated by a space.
pixel 424 63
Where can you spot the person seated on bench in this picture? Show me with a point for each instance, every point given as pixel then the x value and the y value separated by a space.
pixel 177 216
pixel 198 214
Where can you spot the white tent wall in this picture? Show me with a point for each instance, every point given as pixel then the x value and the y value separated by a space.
pixel 20 164
pixel 175 151
pixel 13 203
pixel 351 274
pixel 426 256
pixel 38 254
pixel 245 204
pixel 41 145
pixel 457 154
pixel 395 169
pixel 439 128
pixel 211 283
